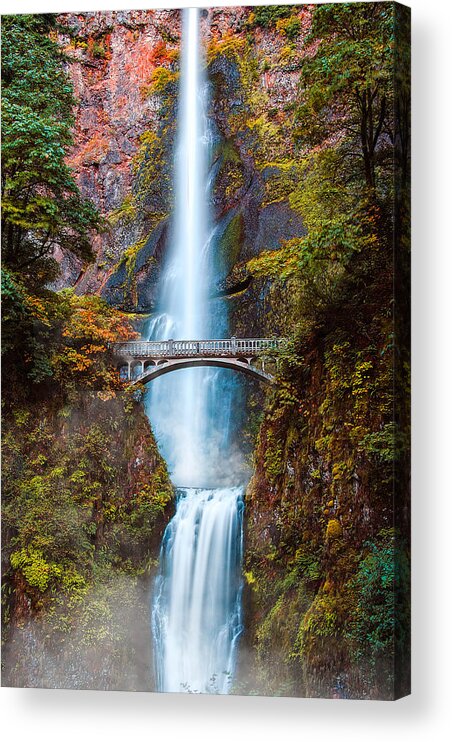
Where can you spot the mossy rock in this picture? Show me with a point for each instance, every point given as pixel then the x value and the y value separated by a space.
pixel 333 530
pixel 230 244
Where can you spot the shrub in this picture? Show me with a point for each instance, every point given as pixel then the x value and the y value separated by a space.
pixel 333 530
pixel 266 16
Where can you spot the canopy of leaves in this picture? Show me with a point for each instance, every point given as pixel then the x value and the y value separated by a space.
pixel 41 204
pixel 347 89
pixel 89 328
pixel 60 338
pixel 340 176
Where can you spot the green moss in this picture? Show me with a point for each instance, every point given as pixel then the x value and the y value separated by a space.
pixel 153 167
pixel 87 506
pixel 231 242
pixel 333 530
pixel 332 426
pixel 98 50
pixel 290 27
pixel 267 16
pixel 249 577
pixel 230 46
pixel 383 444
pixel 321 620
pixel 131 254
pixel 125 213
pixel 273 460
pixel 162 82
pixel 21 417
pixel 36 570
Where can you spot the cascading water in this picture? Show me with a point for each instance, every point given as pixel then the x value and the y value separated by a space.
pixel 197 609
pixel 196 612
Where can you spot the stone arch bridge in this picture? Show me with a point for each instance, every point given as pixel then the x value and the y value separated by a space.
pixel 143 361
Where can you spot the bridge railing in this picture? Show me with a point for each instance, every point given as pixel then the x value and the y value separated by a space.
pixel 185 348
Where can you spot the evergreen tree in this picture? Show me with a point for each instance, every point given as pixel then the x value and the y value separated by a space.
pixel 41 203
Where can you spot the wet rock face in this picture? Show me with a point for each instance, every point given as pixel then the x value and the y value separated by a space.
pixel 136 290
pixel 113 58
pixel 250 219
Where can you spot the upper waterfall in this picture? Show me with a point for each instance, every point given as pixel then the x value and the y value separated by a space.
pixel 185 283
pixel 190 410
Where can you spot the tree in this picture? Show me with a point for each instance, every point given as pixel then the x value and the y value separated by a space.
pixel 41 204
pixel 347 85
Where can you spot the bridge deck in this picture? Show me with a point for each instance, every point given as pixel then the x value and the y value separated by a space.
pixel 232 348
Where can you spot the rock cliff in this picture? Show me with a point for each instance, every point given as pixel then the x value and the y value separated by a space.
pixel 113 57
pixel 124 68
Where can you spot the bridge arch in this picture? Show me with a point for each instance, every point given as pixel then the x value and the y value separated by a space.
pixel 144 360
pixel 136 368
pixel 176 364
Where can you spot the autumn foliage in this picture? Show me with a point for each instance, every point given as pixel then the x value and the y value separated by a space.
pixel 88 332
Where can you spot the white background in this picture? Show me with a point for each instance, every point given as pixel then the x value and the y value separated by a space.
pixel 71 715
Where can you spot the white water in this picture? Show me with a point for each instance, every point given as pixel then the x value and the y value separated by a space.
pixel 177 409
pixel 197 609
pixel 196 614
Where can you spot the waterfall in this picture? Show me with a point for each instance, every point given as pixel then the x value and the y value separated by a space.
pixel 196 612
pixel 197 608
pixel 177 410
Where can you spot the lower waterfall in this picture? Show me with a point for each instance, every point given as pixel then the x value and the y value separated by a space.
pixel 196 617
